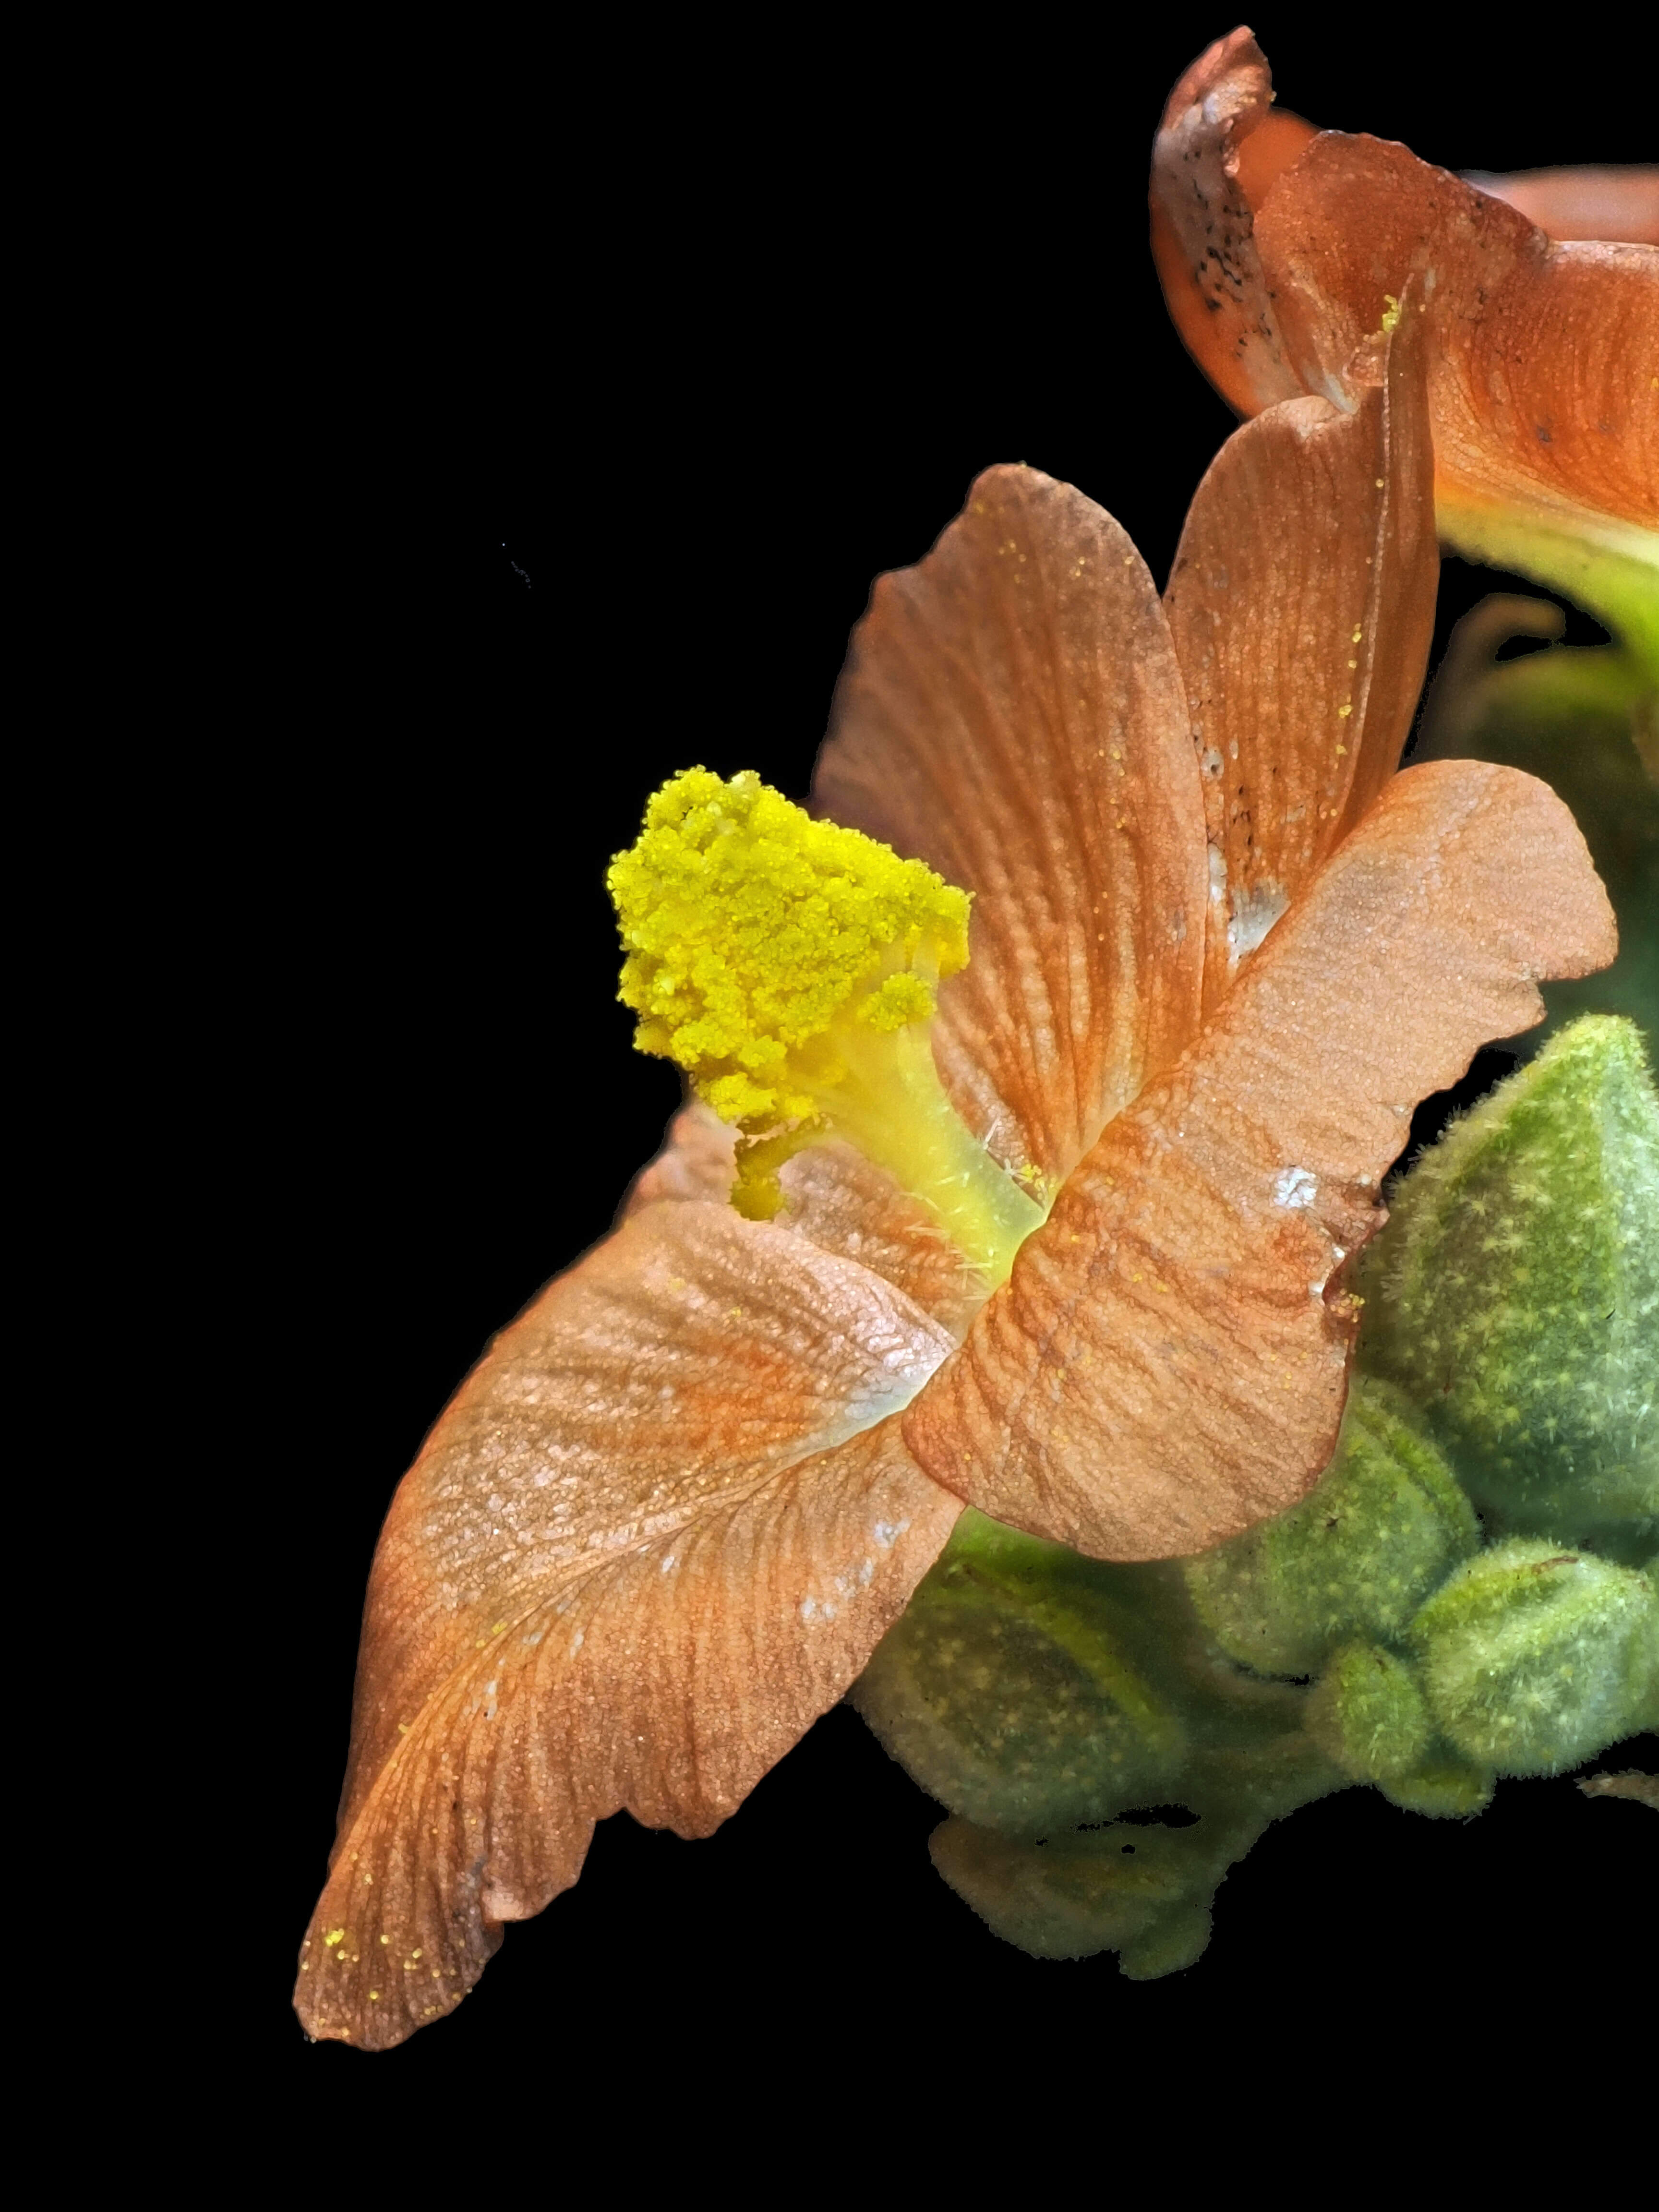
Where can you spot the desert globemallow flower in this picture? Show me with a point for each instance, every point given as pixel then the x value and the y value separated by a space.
pixel 1279 247
pixel 1046 1072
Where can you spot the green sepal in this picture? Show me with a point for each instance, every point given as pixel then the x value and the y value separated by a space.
pixel 1060 1901
pixel 1443 1788
pixel 1535 1657
pixel 1385 1526
pixel 1514 1295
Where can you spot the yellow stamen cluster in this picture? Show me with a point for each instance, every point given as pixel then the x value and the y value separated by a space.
pixel 750 928
pixel 789 966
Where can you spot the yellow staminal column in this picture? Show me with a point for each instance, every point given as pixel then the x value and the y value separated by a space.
pixel 789 967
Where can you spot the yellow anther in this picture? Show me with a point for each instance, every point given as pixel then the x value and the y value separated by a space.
pixel 789 967
pixel 750 928
pixel 1391 312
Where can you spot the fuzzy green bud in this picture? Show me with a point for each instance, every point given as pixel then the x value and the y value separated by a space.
pixel 1533 1657
pixel 1368 1714
pixel 1009 1691
pixel 1355 1557
pixel 1514 1293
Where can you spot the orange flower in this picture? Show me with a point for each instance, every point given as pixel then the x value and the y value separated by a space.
pixel 1283 251
pixel 663 1524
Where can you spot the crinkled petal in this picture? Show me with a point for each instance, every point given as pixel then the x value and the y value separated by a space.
pixel 1302 606
pixel 1011 713
pixel 658 1531
pixel 1167 1363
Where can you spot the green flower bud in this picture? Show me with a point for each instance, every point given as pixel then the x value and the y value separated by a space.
pixel 1535 1658
pixel 1514 1293
pixel 1145 1888
pixel 1042 1695
pixel 1355 1557
pixel 1008 1689
pixel 1368 1714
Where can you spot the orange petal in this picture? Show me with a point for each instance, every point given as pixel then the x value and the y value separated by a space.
pixel 836 1199
pixel 843 1202
pixel 1278 140
pixel 1621 204
pixel 697 1160
pixel 638 1556
pixel 1541 394
pixel 1541 388
pixel 1167 1363
pixel 1302 606
pixel 1202 193
pixel 1011 713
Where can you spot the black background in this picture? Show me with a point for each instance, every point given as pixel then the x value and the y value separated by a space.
pixel 618 398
